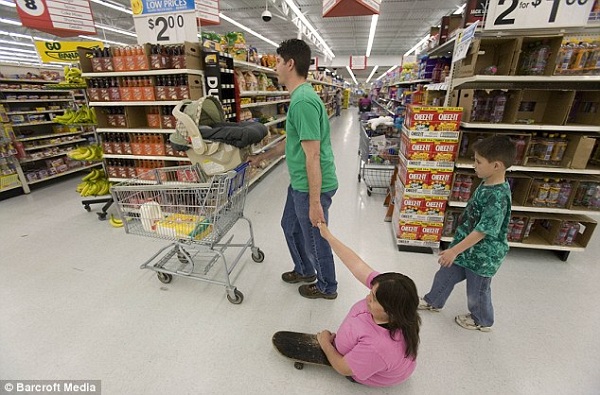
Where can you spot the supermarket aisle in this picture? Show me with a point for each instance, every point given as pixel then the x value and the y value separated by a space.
pixel 74 305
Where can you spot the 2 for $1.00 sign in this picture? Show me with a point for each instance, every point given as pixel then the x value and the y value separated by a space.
pixel 536 14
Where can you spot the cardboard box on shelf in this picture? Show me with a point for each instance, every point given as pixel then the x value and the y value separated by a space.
pixel 539 107
pixel 448 25
pixel 585 109
pixel 537 55
pixel 469 100
pixel 559 229
pixel 579 151
pixel 433 118
pixel 493 56
pixel 519 186
pixel 134 117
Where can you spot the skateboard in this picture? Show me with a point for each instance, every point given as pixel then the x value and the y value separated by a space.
pixel 301 347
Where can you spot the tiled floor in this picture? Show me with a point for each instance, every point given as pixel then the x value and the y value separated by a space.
pixel 75 305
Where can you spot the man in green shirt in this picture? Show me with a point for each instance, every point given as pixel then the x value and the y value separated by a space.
pixel 313 181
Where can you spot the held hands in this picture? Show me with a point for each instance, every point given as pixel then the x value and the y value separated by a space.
pixel 315 214
pixel 447 257
pixel 325 232
pixel 325 338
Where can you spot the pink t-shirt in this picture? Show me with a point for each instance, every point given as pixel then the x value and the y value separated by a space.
pixel 375 359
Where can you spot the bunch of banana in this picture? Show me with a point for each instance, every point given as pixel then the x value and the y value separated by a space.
pixel 94 184
pixel 89 152
pixel 115 222
pixel 73 75
pixel 84 115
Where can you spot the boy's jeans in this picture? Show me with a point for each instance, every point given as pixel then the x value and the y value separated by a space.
pixel 310 252
pixel 479 292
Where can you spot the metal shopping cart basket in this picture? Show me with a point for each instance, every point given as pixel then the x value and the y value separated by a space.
pixel 193 211
pixel 378 156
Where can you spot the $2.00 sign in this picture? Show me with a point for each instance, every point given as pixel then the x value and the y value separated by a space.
pixel 172 28
pixel 536 14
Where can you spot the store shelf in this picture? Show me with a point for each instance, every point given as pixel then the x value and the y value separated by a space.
pixel 276 121
pixel 54 145
pixel 445 49
pixel 139 73
pixel 464 164
pixel 34 112
pixel 263 93
pixel 438 86
pixel 49 136
pixel 253 66
pixel 34 100
pixel 576 82
pixel 265 103
pixel 553 210
pixel 18 125
pixel 268 146
pixel 264 171
pixel 411 82
pixel 313 81
pixel 28 81
pixel 10 188
pixel 170 158
pixel 535 243
pixel 522 126
pixel 65 173
pixel 134 103
pixel 383 107
pixel 33 90
pixel 134 130
pixel 43 157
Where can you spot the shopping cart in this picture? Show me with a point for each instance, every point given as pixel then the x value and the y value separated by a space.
pixel 378 154
pixel 194 211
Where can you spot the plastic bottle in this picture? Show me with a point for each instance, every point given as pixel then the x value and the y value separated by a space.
pixel 564 194
pixel 465 188
pixel 520 146
pixel 553 193
pixel 498 106
pixel 464 145
pixel 571 233
pixel 561 237
pixel 564 57
pixel 539 58
pixel 560 146
pixel 546 148
pixel 595 200
pixel 530 226
pixel 526 59
pixel 542 193
pixel 517 230
pixel 448 225
pixel 456 187
pixel 509 232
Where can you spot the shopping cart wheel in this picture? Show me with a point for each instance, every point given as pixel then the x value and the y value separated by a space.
pixel 299 365
pixel 259 256
pixel 239 297
pixel 164 277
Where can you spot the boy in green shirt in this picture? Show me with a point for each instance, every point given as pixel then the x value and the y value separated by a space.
pixel 480 242
pixel 313 181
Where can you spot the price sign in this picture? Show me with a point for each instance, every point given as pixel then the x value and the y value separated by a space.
pixel 167 28
pixel 536 14
pixel 62 18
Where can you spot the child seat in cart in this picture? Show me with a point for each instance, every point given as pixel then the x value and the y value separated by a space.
pixel 194 211
pixel 216 145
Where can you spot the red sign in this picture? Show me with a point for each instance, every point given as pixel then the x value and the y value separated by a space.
pixel 64 18
pixel 358 62
pixel 333 8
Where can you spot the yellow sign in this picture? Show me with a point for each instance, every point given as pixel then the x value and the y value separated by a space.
pixel 63 51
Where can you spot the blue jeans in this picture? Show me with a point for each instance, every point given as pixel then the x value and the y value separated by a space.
pixel 310 252
pixel 479 292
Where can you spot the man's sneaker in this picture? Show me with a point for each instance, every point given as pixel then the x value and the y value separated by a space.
pixel 467 322
pixel 312 292
pixel 423 305
pixel 293 278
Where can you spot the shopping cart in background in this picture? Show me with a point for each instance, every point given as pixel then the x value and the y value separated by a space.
pixel 193 211
pixel 378 152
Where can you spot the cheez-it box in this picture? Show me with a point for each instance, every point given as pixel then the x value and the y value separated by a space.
pixel 433 207
pixel 444 151
pixel 433 118
pixel 430 232
pixel 441 180
pixel 409 231
pixel 412 205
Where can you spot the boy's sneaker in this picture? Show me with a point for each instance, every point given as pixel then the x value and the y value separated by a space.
pixel 293 278
pixel 311 291
pixel 467 322
pixel 423 305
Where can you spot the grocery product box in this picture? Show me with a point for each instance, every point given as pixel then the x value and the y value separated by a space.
pixel 431 232
pixel 434 135
pixel 133 117
pixel 493 56
pixel 559 229
pixel 579 151
pixel 408 230
pixel 416 149
pixel 433 118
pixel 542 47
pixel 448 25
pixel 538 106
pixel 422 182
pixel 585 109
pixel 586 192
pixel 520 185
pixel 475 104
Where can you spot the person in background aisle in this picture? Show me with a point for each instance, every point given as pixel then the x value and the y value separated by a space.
pixel 311 166
pixel 480 242
pixel 338 102
pixel 377 342
pixel 364 104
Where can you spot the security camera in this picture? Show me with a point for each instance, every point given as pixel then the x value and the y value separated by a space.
pixel 266 15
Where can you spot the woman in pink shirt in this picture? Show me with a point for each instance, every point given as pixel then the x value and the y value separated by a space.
pixel 377 342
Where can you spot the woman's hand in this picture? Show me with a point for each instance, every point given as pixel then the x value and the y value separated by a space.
pixel 325 232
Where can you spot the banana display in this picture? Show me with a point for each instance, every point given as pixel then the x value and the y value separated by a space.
pixel 89 152
pixel 94 184
pixel 84 115
pixel 115 222
pixel 73 75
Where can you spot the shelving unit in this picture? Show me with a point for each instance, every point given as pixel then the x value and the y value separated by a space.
pixel 36 136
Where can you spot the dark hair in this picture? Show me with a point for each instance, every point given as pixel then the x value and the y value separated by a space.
pixel 497 148
pixel 297 50
pixel 398 296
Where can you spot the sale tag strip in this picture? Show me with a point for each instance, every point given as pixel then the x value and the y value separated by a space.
pixel 464 42
pixel 63 18
pixel 537 14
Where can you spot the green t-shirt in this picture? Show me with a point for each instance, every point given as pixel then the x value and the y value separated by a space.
pixel 307 120
pixel 488 211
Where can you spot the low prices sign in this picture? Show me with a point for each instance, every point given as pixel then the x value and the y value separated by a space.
pixel 64 18
pixel 63 51
pixel 532 14
pixel 164 21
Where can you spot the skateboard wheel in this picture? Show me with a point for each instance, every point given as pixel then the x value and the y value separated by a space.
pixel 299 365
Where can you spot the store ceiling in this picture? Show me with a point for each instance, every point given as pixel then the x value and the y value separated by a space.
pixel 402 23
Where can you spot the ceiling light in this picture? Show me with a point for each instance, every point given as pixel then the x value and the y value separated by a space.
pixel 307 24
pixel 460 9
pixel 112 29
pixel 10 22
pixel 8 3
pixel 228 19
pixel 417 45
pixel 113 6
pixel 17 50
pixel 372 72
pixel 16 43
pixel 351 74
pixel 103 40
pixel 374 20
pixel 23 36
